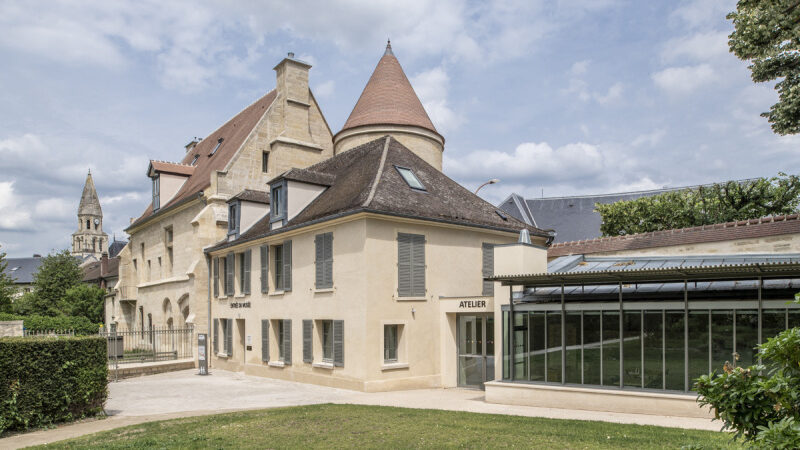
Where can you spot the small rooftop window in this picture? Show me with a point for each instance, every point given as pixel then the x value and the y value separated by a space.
pixel 194 160
pixel 410 178
pixel 219 142
pixel 502 216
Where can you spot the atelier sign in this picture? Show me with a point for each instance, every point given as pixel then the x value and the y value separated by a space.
pixel 240 305
pixel 472 304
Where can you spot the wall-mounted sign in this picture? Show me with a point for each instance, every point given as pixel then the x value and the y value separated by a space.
pixel 240 304
pixel 472 304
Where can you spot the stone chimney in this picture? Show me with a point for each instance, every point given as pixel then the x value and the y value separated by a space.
pixel 103 269
pixel 292 87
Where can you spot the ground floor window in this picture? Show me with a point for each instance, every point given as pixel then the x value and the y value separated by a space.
pixel 390 341
pixel 283 338
pixel 327 341
pixel 644 348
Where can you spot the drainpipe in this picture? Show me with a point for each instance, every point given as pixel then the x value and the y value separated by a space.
pixel 209 337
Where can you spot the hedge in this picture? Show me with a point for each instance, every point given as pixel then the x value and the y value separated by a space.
pixel 46 380
pixel 81 325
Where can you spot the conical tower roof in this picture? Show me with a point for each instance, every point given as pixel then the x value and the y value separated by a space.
pixel 389 99
pixel 90 203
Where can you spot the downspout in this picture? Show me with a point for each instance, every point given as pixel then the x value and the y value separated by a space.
pixel 208 337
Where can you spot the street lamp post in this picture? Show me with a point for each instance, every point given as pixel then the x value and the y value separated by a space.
pixel 492 181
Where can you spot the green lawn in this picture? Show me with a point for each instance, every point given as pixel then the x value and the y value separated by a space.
pixel 336 426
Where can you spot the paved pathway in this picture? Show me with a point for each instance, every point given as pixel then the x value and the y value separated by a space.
pixel 181 394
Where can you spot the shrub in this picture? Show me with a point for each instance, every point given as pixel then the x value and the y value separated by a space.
pixel 50 380
pixel 81 325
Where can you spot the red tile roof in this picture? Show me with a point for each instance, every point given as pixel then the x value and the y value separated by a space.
pixel 233 134
pixel 389 99
pixel 744 229
pixel 170 167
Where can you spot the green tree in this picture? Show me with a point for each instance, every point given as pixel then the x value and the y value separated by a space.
pixel 767 33
pixel 7 288
pixel 58 273
pixel 84 300
pixel 706 205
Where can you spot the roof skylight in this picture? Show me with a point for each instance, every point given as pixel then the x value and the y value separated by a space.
pixel 410 178
pixel 194 160
pixel 219 142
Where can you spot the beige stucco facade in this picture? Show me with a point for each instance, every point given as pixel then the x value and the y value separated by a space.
pixel 424 143
pixel 365 296
pixel 167 284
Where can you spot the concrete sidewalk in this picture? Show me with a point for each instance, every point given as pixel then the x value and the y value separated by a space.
pixel 183 394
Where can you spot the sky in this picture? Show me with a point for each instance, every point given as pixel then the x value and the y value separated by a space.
pixel 551 97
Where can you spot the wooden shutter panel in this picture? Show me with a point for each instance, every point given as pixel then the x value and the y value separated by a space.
pixel 229 337
pixel 327 242
pixel 404 265
pixel 248 257
pixel 287 266
pixel 287 341
pixel 229 271
pixel 338 343
pixel 319 263
pixel 216 336
pixel 265 340
pixel 264 269
pixel 215 268
pixel 488 268
pixel 418 265
pixel 308 344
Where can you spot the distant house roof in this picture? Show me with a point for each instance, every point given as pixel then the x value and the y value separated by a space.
pixel 92 272
pixel 22 269
pixel 252 195
pixel 228 138
pixel 115 247
pixel 366 179
pixel 744 229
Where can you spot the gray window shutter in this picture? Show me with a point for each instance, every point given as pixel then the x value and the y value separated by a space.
pixel 229 337
pixel 328 251
pixel 308 352
pixel 319 262
pixel 338 343
pixel 265 340
pixel 229 271
pixel 404 265
pixel 418 265
pixel 248 258
pixel 488 268
pixel 287 341
pixel 287 266
pixel 216 336
pixel 264 269
pixel 215 268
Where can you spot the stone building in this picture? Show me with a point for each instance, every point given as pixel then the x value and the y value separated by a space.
pixel 89 241
pixel 163 273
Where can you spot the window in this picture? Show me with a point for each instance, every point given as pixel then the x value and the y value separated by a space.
pixel 323 244
pixel 156 193
pixel 283 331
pixel 194 160
pixel 283 266
pixel 410 178
pixel 264 253
pixel 278 207
pixel 226 326
pixel 233 219
pixel 265 162
pixel 244 272
pixel 216 147
pixel 488 268
pixel 229 263
pixel 390 341
pixel 327 341
pixel 410 265
pixel 88 225
pixel 278 251
pixel 215 268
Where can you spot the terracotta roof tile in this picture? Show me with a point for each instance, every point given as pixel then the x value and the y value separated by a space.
pixel 389 99
pixel 743 229
pixel 171 167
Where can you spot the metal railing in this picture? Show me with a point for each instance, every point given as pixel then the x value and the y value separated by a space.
pixel 148 345
pixel 48 333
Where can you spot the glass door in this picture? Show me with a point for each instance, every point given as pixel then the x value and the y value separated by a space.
pixel 475 350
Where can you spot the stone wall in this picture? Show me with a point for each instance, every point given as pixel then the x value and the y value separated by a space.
pixel 11 328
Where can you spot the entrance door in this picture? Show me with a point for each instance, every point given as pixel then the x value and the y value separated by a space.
pixel 475 349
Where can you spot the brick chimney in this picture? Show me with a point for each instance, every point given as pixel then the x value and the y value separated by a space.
pixel 103 269
pixel 292 87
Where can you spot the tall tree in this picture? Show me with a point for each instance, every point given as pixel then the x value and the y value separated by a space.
pixel 767 33
pixel 84 300
pixel 58 273
pixel 6 284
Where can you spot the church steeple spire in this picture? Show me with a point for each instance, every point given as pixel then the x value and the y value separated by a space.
pixel 90 203
pixel 89 240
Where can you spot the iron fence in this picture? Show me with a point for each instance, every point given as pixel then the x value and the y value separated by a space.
pixel 153 344
pixel 48 333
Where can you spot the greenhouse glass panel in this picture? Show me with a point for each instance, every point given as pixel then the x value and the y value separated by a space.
pixel 653 351
pixel 746 337
pixel 554 347
pixel 572 335
pixel 611 348
pixel 674 351
pixel 591 347
pixel 536 347
pixel 698 345
pixel 721 339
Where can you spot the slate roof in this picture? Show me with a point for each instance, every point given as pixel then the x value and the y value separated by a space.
pixel 115 247
pixel 389 99
pixel 90 203
pixel 306 176
pixel 234 132
pixel 365 179
pixel 729 231
pixel 22 269
pixel 252 195
pixel 92 271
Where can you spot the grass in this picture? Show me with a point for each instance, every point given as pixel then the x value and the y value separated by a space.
pixel 339 426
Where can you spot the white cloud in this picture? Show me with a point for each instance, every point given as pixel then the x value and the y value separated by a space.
pixel 698 47
pixel 684 79
pixel 651 139
pixel 702 13
pixel 12 216
pixel 324 89
pixel 580 87
pixel 55 208
pixel 614 93
pixel 432 88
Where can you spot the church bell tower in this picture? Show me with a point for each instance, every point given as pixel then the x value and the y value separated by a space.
pixel 89 240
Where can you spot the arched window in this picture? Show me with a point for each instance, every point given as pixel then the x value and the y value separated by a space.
pixel 88 227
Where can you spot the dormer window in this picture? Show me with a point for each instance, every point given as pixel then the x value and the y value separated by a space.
pixel 233 219
pixel 216 147
pixel 156 193
pixel 194 160
pixel 410 178
pixel 278 199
